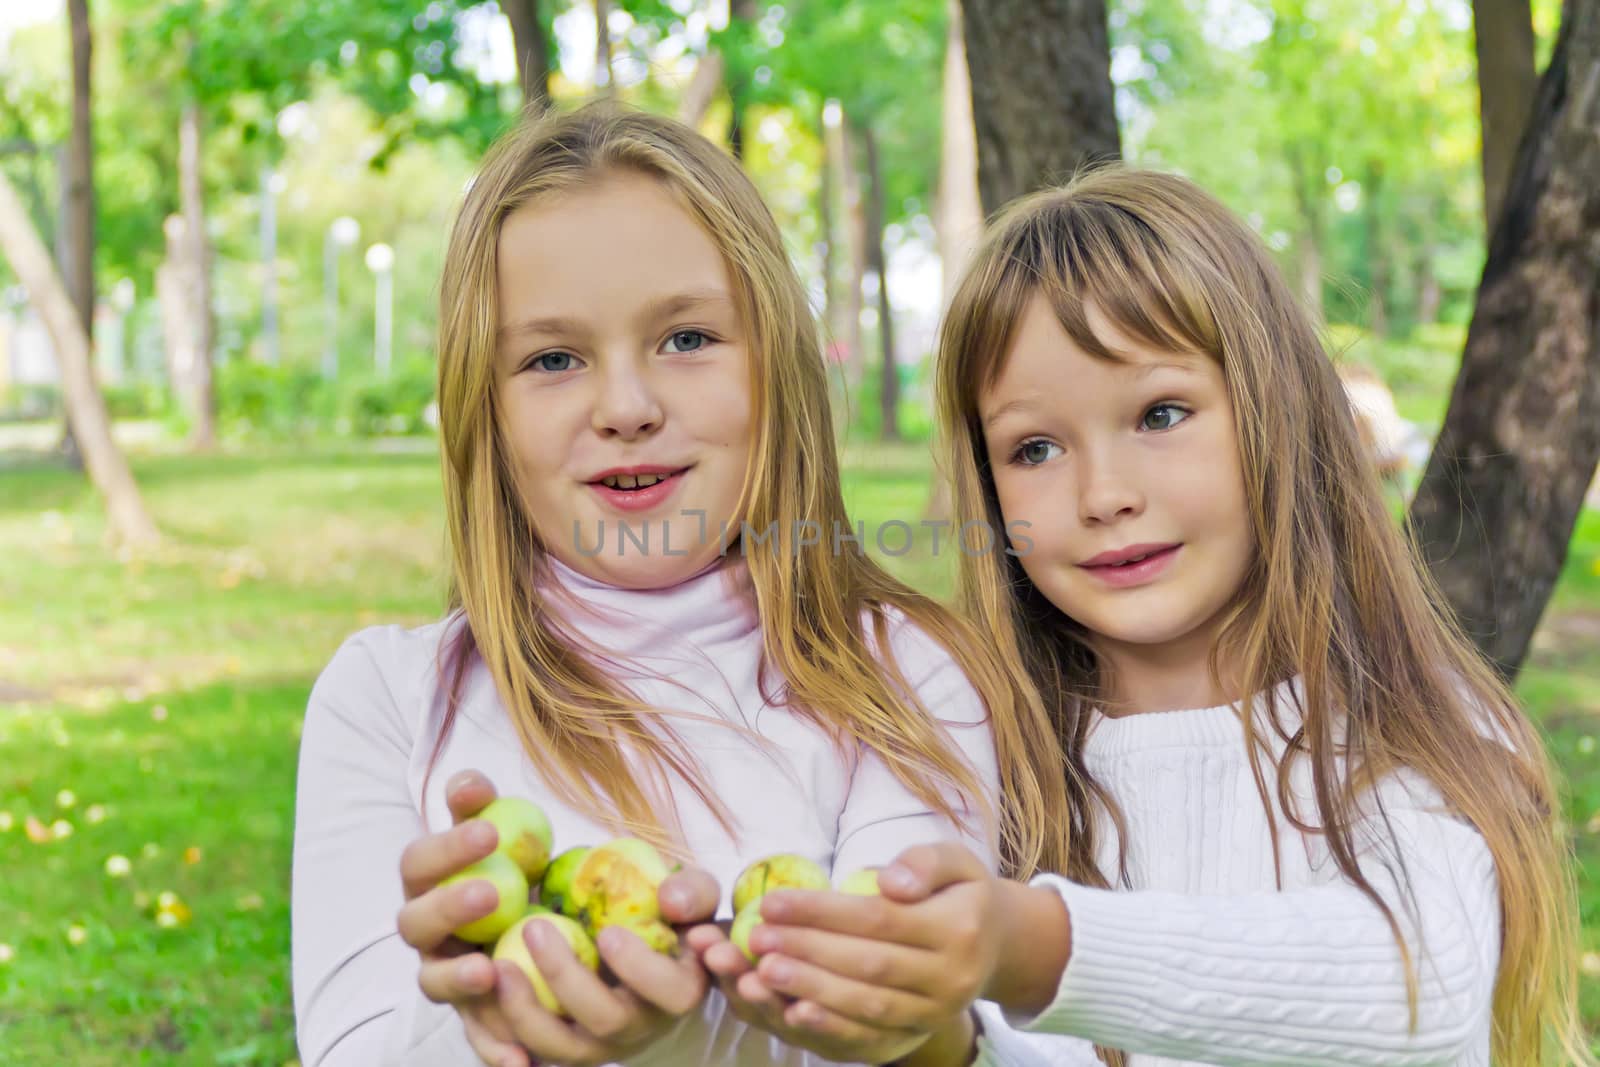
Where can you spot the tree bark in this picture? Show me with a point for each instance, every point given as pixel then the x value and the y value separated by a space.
pixel 960 208
pixel 848 178
pixel 1376 252
pixel 603 74
pixel 1502 491
pixel 743 11
pixel 533 48
pixel 1042 100
pixel 1507 81
pixel 702 88
pixel 889 382
pixel 91 425
pixel 197 260
pixel 77 209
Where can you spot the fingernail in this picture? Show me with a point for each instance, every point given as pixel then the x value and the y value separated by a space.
pixel 481 895
pixel 898 878
pixel 457 780
pixel 675 898
pixel 763 940
pixel 777 972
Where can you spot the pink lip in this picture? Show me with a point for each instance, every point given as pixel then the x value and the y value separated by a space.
pixel 1111 568
pixel 639 499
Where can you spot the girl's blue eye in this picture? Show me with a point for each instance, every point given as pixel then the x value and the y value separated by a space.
pixel 553 362
pixel 688 340
pixel 1162 417
pixel 1032 453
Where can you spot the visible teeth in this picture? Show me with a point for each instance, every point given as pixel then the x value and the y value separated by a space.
pixel 1135 559
pixel 632 481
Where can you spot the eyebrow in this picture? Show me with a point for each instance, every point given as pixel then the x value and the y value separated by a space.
pixel 1024 403
pixel 660 308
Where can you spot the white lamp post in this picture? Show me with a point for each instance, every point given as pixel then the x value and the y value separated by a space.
pixel 343 232
pixel 380 260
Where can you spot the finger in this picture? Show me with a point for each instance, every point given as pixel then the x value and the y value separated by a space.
pixel 428 920
pixel 454 981
pixel 434 857
pixel 754 991
pixel 922 870
pixel 805 1015
pixel 467 793
pixel 492 1050
pixel 671 984
pixel 866 960
pixel 858 916
pixel 536 1029
pixel 882 1007
pixel 608 1014
pixel 689 896
pixel 700 938
pixel 725 960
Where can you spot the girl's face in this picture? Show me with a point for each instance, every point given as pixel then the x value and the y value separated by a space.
pixel 624 380
pixel 1128 478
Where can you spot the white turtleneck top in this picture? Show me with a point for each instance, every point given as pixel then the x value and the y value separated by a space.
pixel 691 651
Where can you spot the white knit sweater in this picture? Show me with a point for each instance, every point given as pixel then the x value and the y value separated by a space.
pixel 1203 959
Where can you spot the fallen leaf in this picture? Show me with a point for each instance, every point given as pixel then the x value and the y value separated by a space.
pixel 37 831
pixel 191 855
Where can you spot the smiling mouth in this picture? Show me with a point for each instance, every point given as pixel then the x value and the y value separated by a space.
pixel 634 482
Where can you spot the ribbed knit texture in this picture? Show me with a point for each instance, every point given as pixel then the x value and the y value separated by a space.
pixel 1202 959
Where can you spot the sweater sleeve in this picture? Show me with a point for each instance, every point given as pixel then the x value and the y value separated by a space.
pixel 356 997
pixel 881 816
pixel 1308 976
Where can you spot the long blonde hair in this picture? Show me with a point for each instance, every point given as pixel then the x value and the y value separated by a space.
pixel 575 724
pixel 1335 593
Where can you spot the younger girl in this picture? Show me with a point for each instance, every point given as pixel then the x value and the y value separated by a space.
pixel 646 635
pixel 1322 831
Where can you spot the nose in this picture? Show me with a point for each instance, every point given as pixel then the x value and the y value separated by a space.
pixel 626 407
pixel 1107 491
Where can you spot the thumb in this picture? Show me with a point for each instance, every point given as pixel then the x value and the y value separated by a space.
pixel 923 870
pixel 689 896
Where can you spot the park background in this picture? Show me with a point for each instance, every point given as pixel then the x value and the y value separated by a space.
pixel 234 211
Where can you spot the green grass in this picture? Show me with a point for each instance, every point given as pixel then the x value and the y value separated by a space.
pixel 166 696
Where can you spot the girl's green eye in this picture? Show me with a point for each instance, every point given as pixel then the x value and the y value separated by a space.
pixel 688 341
pixel 1163 417
pixel 1034 452
pixel 553 362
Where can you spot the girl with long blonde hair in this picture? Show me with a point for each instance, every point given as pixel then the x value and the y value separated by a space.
pixel 1313 826
pixel 661 624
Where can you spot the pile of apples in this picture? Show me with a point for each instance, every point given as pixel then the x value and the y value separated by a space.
pixel 586 889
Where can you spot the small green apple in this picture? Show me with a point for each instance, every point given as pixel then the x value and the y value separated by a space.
pixel 525 833
pixel 512 896
pixel 784 871
pixel 616 884
pixel 862 883
pixel 748 919
pixel 512 946
pixel 555 892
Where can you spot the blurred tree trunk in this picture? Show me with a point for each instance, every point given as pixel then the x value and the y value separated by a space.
pixel 91 425
pixel 1507 81
pixel 960 209
pixel 533 49
pixel 744 11
pixel 889 382
pixel 702 88
pixel 1042 100
pixel 848 178
pixel 1502 491
pixel 198 388
pixel 77 209
pixel 1309 252
pixel 1376 253
pixel 604 77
